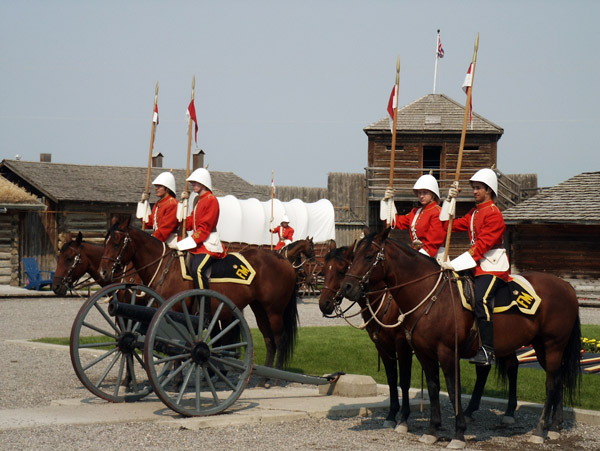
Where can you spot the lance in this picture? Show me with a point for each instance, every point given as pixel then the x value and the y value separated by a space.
pixel 395 121
pixel 462 145
pixel 154 123
pixel 272 197
pixel 187 168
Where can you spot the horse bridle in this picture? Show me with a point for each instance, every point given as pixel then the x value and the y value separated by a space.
pixel 67 280
pixel 117 262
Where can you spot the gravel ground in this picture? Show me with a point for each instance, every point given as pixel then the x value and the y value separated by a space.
pixel 31 377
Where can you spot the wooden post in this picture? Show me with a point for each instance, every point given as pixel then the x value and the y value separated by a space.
pixel 151 148
pixel 462 144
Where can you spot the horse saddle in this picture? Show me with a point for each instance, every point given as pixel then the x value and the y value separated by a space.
pixel 234 268
pixel 515 294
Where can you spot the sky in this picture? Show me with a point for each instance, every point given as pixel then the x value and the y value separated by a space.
pixel 289 86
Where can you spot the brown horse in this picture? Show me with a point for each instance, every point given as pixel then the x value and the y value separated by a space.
pixel 439 328
pixel 76 258
pixel 392 345
pixel 271 295
pixel 299 252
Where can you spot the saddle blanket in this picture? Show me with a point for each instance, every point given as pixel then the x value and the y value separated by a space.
pixel 234 268
pixel 518 293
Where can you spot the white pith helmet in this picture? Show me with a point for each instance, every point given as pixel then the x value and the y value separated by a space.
pixel 202 176
pixel 428 182
pixel 165 179
pixel 488 177
pixel 285 219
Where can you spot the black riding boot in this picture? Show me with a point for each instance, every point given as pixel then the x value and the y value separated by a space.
pixel 485 354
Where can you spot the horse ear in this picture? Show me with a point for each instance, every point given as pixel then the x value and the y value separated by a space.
pixel 114 220
pixel 127 221
pixel 385 233
pixel 366 231
pixel 79 239
pixel 68 237
pixel 332 245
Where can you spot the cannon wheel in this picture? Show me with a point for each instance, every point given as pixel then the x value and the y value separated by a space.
pixel 200 367
pixel 104 349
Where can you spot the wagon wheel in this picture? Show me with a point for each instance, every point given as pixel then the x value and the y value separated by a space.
pixel 198 365
pixel 104 349
pixel 311 280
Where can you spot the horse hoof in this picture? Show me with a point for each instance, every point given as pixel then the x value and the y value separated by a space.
pixel 456 444
pixel 508 420
pixel 553 435
pixel 388 424
pixel 536 439
pixel 428 439
pixel 401 428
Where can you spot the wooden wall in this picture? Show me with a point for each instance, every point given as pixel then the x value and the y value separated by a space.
pixel 9 258
pixel 567 250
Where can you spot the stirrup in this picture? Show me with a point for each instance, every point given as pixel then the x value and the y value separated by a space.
pixel 483 357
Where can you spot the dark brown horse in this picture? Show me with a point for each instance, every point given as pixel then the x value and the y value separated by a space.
pixel 439 328
pixel 271 295
pixel 392 345
pixel 76 258
pixel 299 252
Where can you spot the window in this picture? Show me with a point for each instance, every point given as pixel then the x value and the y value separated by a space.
pixel 431 160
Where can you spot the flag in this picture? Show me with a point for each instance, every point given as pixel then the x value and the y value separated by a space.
pixel 393 102
pixel 440 50
pixel 155 115
pixel 272 184
pixel 468 83
pixel 191 114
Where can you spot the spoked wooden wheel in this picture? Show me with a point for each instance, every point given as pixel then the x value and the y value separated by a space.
pixel 198 364
pixel 106 350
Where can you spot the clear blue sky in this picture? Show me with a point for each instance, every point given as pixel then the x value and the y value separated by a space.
pixel 289 86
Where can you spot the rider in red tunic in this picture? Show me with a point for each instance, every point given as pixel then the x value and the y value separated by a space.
pixel 426 231
pixel 163 218
pixel 285 233
pixel 485 225
pixel 203 243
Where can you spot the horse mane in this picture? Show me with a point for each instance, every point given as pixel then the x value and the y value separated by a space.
pixel 336 254
pixel 409 250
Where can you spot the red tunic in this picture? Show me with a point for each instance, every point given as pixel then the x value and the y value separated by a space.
pixel 285 233
pixel 164 218
pixel 428 227
pixel 203 221
pixel 487 233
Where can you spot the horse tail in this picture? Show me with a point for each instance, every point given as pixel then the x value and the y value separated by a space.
pixel 290 328
pixel 570 367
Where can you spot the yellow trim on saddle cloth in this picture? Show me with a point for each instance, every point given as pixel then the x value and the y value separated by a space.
pixel 245 272
pixel 527 300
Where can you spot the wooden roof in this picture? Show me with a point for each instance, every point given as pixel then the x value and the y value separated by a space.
pixel 574 201
pixel 435 113
pixel 85 183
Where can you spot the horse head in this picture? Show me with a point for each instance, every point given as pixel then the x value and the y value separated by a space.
pixel 365 267
pixel 335 265
pixel 71 265
pixel 119 249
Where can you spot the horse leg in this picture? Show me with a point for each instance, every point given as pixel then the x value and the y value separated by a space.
pixel 512 370
pixel 391 374
pixel 452 377
pixel 263 325
pixel 404 352
pixel 482 373
pixel 432 374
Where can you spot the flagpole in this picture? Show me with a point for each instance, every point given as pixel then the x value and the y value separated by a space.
pixel 152 134
pixel 437 47
pixel 272 201
pixel 395 122
pixel 462 144
pixel 187 167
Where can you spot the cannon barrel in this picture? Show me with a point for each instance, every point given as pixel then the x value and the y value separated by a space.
pixel 145 314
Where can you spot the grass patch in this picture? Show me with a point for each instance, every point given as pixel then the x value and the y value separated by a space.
pixel 323 350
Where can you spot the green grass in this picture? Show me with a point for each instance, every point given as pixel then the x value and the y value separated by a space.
pixel 323 350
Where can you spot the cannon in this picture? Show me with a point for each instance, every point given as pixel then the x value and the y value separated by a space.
pixel 127 341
